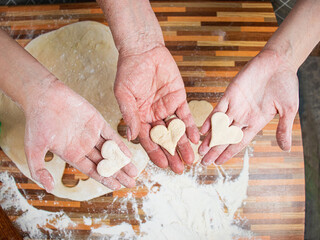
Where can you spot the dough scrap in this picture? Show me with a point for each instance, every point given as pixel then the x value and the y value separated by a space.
pixel 168 137
pixel 199 111
pixel 114 159
pixel 84 57
pixel 222 133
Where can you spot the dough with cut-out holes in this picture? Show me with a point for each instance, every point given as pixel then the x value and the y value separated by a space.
pixel 84 57
pixel 113 159
pixel 222 133
pixel 168 137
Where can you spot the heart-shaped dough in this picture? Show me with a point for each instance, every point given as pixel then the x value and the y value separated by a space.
pixel 168 138
pixel 222 133
pixel 114 159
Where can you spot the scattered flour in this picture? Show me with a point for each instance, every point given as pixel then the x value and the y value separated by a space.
pixel 123 231
pixel 31 218
pixel 176 207
pixel 87 221
pixel 182 208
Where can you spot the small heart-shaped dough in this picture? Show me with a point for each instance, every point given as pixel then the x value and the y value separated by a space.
pixel 168 138
pixel 221 132
pixel 114 159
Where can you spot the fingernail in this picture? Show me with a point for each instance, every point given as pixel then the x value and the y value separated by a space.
pixel 288 150
pixel 218 162
pixel 205 163
pixel 128 134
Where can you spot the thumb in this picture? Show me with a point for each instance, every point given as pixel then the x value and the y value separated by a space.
pixel 35 157
pixel 284 131
pixel 130 112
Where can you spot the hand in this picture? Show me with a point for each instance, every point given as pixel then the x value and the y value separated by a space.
pixel 61 121
pixel 149 88
pixel 267 85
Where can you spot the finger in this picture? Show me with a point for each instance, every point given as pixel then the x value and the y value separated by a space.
pixel 35 157
pixel 185 150
pixel 100 142
pixel 131 170
pixel 109 134
pixel 168 104
pixel 204 147
pixel 153 150
pixel 284 131
pixel 89 168
pixel 124 179
pixel 222 106
pixel 183 112
pixel 95 155
pixel 231 150
pixel 128 107
pixel 175 162
pixel 212 153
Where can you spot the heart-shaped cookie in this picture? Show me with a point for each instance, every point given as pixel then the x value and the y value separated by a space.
pixel 221 132
pixel 114 159
pixel 168 137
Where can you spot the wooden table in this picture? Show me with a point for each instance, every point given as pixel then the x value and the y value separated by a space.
pixel 211 42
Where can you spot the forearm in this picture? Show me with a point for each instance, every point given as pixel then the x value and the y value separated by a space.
pixel 298 34
pixel 21 75
pixel 134 26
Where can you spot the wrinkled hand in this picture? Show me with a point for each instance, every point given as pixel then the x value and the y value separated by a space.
pixel 267 85
pixel 61 121
pixel 149 88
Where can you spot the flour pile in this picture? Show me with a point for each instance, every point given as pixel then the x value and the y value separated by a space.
pixel 31 218
pixel 176 207
pixel 182 208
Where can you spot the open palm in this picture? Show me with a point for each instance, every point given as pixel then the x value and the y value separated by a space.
pixel 64 123
pixel 149 88
pixel 266 86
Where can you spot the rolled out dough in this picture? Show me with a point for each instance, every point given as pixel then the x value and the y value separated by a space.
pixel 84 57
pixel 114 159
pixel 168 137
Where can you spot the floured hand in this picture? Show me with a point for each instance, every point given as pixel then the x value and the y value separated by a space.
pixel 61 121
pixel 267 85
pixel 149 88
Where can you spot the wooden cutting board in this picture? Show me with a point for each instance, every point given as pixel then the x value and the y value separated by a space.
pixel 211 42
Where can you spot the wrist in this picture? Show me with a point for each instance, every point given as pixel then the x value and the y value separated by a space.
pixel 140 42
pixel 133 24
pixel 281 55
pixel 35 91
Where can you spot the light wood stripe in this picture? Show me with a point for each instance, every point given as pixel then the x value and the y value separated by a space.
pixel 258 29
pixel 216 19
pixel 246 14
pixel 236 53
pixel 169 9
pixel 207 63
pixel 276 227
pixel 233 43
pixel 192 38
pixel 54 203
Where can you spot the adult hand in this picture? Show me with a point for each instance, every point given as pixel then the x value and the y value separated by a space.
pixel 61 121
pixel 149 88
pixel 267 85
